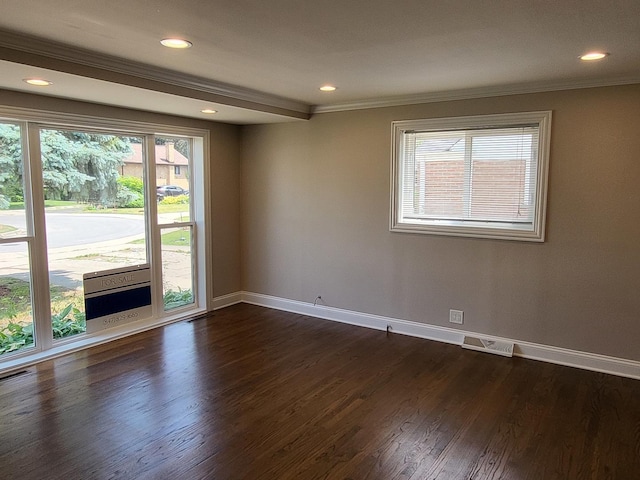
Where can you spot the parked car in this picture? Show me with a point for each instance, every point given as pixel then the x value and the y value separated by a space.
pixel 170 191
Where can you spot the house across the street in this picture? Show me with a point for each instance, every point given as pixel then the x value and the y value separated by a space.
pixel 172 168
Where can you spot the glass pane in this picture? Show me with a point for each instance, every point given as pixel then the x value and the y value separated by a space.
pixel 501 179
pixel 94 197
pixel 483 175
pixel 16 318
pixel 173 162
pixel 12 211
pixel 177 267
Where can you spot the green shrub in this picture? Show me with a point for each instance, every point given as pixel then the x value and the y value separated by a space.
pixel 137 202
pixel 65 327
pixel 132 183
pixel 178 199
pixel 16 336
pixel 71 321
pixel 130 192
pixel 173 299
pixel 126 198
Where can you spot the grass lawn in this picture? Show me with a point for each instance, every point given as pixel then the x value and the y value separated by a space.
pixel 176 208
pixel 15 300
pixel 15 297
pixel 171 208
pixel 176 237
pixel 47 204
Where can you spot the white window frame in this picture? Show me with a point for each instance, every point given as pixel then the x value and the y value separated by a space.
pixel 533 231
pixel 31 121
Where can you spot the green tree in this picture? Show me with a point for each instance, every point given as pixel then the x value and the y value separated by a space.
pixel 82 166
pixel 75 165
pixel 10 165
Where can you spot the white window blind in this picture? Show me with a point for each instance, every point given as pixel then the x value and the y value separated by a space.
pixel 477 176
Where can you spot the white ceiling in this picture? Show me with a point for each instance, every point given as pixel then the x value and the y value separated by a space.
pixel 260 61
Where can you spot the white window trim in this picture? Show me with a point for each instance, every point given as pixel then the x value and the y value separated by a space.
pixel 35 119
pixel 535 232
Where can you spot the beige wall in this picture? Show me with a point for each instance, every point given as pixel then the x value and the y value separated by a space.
pixel 224 171
pixel 315 216
pixel 225 208
pixel 306 213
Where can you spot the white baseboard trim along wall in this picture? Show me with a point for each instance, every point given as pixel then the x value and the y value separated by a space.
pixel 227 300
pixel 560 356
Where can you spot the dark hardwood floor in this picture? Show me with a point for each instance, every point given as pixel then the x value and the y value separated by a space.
pixel 253 393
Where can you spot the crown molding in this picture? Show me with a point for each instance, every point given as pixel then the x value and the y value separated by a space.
pixel 25 49
pixel 20 48
pixel 467 94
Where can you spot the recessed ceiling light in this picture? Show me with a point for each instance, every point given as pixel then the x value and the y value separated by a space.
pixel 328 88
pixel 38 82
pixel 176 43
pixel 209 110
pixel 591 56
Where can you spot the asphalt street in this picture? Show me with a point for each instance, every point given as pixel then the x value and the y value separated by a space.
pixel 86 242
pixel 72 229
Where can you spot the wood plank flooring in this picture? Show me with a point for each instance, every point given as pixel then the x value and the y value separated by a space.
pixel 253 393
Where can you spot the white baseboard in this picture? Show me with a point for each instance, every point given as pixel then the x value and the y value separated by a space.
pixel 561 356
pixel 226 300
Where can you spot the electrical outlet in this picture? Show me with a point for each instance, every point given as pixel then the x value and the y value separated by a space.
pixel 456 316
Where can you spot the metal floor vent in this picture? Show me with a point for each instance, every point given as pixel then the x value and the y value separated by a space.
pixel 490 346
pixel 13 374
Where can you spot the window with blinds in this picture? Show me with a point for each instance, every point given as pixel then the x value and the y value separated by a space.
pixel 481 176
